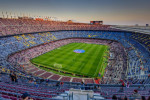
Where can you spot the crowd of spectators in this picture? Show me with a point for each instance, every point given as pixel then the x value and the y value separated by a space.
pixel 117 65
pixel 19 26
pixel 23 42
pixel 35 88
pixel 16 52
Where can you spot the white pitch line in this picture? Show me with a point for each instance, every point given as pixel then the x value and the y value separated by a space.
pixel 71 79
pixel 42 73
pixel 30 68
pixel 35 71
pixel 59 78
pixel 49 76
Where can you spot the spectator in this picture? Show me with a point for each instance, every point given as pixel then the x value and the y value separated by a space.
pixel 121 89
pixel 139 88
pixel 41 80
pixel 58 85
pixel 114 97
pixel 125 98
pixel 25 96
pixel 61 83
pixel 36 85
pixel 119 98
pixel 148 98
pixel 0 78
pixel 15 78
pixel 143 98
pixel 86 87
pixel 136 94
pixel 99 88
pixel 47 80
pixel 12 77
pixel 95 87
pixel 82 86
pixel 127 84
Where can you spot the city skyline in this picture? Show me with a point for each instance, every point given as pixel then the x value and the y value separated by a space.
pixel 113 12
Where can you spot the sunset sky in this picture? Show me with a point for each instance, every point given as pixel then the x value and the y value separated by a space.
pixel 116 12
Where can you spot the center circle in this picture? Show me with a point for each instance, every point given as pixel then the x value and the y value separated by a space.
pixel 79 51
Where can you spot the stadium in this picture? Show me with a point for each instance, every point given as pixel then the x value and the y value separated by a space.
pixel 63 60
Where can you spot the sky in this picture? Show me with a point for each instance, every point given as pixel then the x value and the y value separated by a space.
pixel 112 12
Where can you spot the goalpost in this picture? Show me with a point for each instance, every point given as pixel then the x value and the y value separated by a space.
pixel 57 66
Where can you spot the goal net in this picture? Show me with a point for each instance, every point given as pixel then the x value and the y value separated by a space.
pixel 58 66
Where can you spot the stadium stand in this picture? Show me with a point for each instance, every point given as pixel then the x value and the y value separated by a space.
pixel 19 26
pixel 24 39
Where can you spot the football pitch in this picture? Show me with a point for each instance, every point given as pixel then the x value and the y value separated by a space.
pixel 91 61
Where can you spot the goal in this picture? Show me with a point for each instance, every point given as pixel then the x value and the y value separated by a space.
pixel 58 66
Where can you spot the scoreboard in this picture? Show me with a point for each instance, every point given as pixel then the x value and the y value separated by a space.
pixel 96 22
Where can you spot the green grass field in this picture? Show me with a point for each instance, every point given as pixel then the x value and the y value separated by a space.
pixel 89 63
